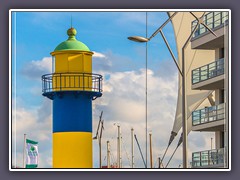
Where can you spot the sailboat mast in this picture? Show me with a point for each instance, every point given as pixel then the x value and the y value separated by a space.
pixel 108 155
pixel 132 135
pixel 119 147
pixel 150 140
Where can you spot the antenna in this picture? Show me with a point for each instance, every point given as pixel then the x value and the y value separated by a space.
pixel 71 21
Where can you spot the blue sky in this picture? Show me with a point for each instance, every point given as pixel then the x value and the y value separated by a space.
pixel 120 61
pixel 38 33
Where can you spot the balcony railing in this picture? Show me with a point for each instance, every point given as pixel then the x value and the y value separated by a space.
pixel 71 82
pixel 209 114
pixel 212 20
pixel 208 158
pixel 208 71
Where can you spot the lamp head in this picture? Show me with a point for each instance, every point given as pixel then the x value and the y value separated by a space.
pixel 138 39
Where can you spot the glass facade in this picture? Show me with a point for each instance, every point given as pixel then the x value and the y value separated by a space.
pixel 208 71
pixel 208 114
pixel 208 158
pixel 212 20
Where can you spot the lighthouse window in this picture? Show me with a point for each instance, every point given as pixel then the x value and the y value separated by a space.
pixel 53 64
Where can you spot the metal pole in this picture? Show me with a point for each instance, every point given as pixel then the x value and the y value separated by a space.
pixel 24 149
pixel 140 151
pixel 162 26
pixel 117 153
pixel 169 49
pixel 159 162
pixel 100 145
pixel 108 155
pixel 150 140
pixel 119 148
pixel 146 88
pixel 171 157
pixel 100 153
pixel 132 134
pixel 184 118
pixel 184 124
pixel 118 164
pixel 100 119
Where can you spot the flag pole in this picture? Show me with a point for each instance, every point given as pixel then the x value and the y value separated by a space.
pixel 24 149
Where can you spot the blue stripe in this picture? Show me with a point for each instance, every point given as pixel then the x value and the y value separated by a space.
pixel 72 113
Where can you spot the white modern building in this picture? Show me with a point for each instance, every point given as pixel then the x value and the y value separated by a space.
pixel 207 82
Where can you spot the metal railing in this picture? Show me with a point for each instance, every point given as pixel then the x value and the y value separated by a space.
pixel 208 114
pixel 208 71
pixel 212 20
pixel 208 158
pixel 72 81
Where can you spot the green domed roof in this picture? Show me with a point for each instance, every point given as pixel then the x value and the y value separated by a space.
pixel 72 43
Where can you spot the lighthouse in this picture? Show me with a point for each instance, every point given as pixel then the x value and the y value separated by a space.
pixel 72 87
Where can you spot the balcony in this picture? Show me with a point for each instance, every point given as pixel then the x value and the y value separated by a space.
pixel 202 39
pixel 209 77
pixel 209 118
pixel 57 83
pixel 208 159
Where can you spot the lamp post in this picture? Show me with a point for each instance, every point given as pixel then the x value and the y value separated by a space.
pixel 144 39
pixel 182 72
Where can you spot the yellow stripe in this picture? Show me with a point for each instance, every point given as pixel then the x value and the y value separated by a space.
pixel 72 150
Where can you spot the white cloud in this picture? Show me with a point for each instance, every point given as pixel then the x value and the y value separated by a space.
pixel 98 55
pixel 36 68
pixel 111 62
pixel 124 103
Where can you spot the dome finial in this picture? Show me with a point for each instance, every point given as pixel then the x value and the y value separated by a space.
pixel 72 43
pixel 71 32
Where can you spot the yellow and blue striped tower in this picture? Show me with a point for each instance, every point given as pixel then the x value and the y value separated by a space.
pixel 72 86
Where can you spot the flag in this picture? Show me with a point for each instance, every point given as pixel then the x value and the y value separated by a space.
pixel 32 154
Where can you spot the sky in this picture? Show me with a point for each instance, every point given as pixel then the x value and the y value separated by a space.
pixel 123 66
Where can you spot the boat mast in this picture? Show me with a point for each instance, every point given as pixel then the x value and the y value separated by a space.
pixel 132 135
pixel 119 147
pixel 108 155
pixel 150 141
